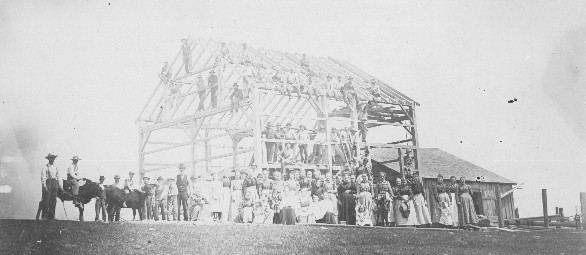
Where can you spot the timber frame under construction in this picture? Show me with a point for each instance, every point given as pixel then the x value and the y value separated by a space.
pixel 174 128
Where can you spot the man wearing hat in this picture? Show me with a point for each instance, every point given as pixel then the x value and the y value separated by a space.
pixel 101 201
pixel 183 193
pixel 147 188
pixel 362 118
pixel 73 178
pixel 213 85
pixel 235 98
pixel 201 88
pixel 129 183
pixel 161 191
pixel 270 133
pixel 303 138
pixel 117 182
pixel 186 49
pixel 166 73
pixel 51 185
pixel 318 146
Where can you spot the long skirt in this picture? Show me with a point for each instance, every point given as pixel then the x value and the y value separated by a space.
pixel 331 218
pixel 391 216
pixel 421 211
pixel 225 203
pixel 306 215
pixel 445 209
pixel 468 211
pixel 365 200
pixel 247 214
pixel 411 219
pixel 236 198
pixel 288 216
pixel 347 211
pixel 455 211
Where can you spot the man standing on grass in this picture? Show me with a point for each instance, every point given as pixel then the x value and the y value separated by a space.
pixel 51 184
pixel 101 201
pixel 183 193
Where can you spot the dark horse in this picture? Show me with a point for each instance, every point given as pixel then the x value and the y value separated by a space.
pixel 87 192
pixel 115 199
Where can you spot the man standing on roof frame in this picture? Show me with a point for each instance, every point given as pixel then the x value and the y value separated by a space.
pixel 186 50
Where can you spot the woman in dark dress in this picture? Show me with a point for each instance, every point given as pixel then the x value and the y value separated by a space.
pixel 347 203
pixel 467 204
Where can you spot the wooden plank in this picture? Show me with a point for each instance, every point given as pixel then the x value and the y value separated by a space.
pixel 583 208
pixel 499 212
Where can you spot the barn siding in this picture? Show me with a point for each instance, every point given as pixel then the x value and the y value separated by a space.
pixel 488 191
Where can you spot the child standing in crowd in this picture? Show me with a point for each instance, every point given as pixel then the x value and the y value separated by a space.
pixel 246 208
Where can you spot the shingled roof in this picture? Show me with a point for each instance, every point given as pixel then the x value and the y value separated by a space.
pixel 435 161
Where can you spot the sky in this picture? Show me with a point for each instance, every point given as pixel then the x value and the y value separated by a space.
pixel 74 76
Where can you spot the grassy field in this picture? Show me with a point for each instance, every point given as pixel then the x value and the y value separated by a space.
pixel 69 237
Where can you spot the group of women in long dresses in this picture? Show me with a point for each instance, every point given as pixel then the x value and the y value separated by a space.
pixel 309 197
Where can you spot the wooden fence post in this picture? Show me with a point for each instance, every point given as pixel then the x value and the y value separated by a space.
pixel 544 200
pixel 583 202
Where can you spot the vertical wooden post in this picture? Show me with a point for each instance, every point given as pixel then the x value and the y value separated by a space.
pixel 583 203
pixel 257 127
pixel 401 170
pixel 207 151
pixel 499 210
pixel 328 144
pixel 235 156
pixel 544 200
pixel 141 140
pixel 415 138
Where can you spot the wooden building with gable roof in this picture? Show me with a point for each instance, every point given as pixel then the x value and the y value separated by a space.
pixel 434 161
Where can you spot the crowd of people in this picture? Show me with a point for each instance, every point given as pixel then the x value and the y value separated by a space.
pixel 352 196
pixel 279 74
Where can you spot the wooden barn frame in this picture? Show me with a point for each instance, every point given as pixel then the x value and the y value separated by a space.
pixel 165 115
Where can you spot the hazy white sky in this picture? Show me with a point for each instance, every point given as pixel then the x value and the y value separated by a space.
pixel 75 74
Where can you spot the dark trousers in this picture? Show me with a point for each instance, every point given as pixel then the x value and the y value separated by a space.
pixel 214 97
pixel 50 201
pixel 317 153
pixel 271 156
pixel 182 201
pixel 148 207
pixel 100 206
pixel 202 98
pixel 160 206
pixel 363 130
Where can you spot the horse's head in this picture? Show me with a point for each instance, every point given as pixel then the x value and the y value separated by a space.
pixel 89 190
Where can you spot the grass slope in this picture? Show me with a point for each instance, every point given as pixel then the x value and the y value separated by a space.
pixel 69 237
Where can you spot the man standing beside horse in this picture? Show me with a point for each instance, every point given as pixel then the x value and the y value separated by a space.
pixel 101 201
pixel 73 178
pixel 51 185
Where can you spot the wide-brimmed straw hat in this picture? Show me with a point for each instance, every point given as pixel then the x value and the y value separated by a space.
pixel 50 155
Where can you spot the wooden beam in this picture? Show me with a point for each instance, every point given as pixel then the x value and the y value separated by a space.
pixel 503 195
pixel 167 148
pixel 196 115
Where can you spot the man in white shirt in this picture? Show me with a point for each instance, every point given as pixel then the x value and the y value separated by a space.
pixel 318 146
pixel 129 183
pixel 101 201
pixel 303 138
pixel 201 91
pixel 117 182
pixel 161 191
pixel 51 185
pixel 73 178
